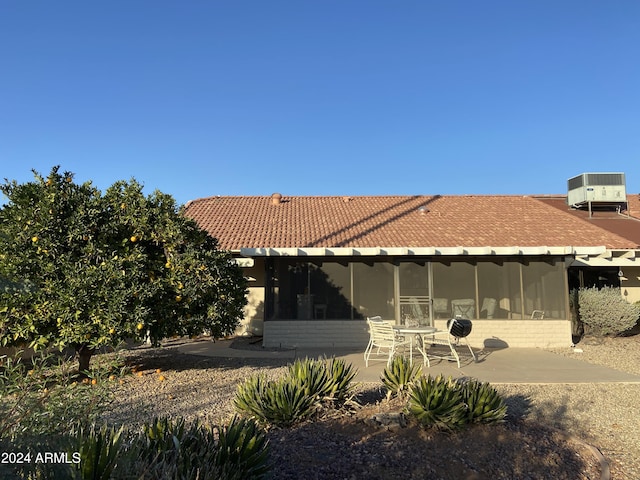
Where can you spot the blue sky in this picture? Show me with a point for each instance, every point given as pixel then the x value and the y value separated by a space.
pixel 323 97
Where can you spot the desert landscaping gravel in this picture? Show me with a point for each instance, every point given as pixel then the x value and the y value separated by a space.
pixel 553 431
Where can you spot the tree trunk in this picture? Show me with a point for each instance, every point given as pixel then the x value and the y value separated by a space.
pixel 84 357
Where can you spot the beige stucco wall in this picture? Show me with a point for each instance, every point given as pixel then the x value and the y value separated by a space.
pixel 354 333
pixel 254 310
pixel 630 284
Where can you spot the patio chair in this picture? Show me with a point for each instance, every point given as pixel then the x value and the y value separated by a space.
pixel 417 315
pixel 463 307
pixel 383 337
pixel 441 307
pixel 457 331
pixel 489 307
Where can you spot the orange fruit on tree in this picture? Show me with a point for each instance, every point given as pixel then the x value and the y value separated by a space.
pixel 140 326
pixel 133 239
pixel 34 239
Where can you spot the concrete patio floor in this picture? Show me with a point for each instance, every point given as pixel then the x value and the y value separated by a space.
pixel 508 365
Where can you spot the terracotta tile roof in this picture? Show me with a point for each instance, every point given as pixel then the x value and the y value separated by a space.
pixel 633 202
pixel 624 224
pixel 395 221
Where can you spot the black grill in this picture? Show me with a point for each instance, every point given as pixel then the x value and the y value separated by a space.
pixel 461 327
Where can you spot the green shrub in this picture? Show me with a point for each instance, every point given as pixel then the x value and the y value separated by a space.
pixel 399 377
pixel 325 380
pixel 309 387
pixel 99 450
pixel 40 396
pixel 313 376
pixel 483 403
pixel 438 403
pixel 242 449
pixel 160 436
pixel 341 375
pixel 280 403
pixel 168 449
pixel 605 312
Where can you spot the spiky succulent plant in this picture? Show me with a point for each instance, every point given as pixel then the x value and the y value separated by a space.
pixel 437 402
pixel 483 402
pixel 400 376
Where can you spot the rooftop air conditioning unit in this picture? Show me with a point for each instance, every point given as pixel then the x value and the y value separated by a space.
pixel 597 188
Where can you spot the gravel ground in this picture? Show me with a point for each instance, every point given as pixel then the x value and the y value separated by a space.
pixel 546 435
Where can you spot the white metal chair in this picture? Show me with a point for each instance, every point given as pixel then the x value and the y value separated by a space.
pixel 457 331
pixel 441 307
pixel 463 307
pixel 383 337
pixel 489 306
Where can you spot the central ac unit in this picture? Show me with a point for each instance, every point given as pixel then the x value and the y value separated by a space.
pixel 597 188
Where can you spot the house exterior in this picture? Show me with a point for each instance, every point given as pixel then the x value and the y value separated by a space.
pixel 318 266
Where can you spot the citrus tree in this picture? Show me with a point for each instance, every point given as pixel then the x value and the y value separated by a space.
pixel 85 269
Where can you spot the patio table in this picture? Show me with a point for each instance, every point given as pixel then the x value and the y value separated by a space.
pixel 413 333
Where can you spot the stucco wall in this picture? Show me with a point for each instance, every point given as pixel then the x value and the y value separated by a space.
pixel 630 284
pixel 254 310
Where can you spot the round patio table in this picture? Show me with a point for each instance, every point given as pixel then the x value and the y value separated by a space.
pixel 414 332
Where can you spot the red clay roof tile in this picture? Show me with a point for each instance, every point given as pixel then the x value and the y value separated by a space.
pixel 399 221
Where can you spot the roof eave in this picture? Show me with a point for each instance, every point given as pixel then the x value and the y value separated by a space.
pixel 419 251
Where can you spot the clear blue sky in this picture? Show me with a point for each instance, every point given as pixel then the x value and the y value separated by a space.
pixel 321 97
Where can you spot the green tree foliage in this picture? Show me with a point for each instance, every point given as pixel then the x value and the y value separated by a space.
pixel 86 269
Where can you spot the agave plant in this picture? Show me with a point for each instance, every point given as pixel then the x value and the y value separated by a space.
pixel 483 403
pixel 242 450
pixel 161 435
pixel 286 403
pixel 437 402
pixel 399 377
pixel 312 374
pixel 281 403
pixel 99 450
pixel 249 399
pixel 341 375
